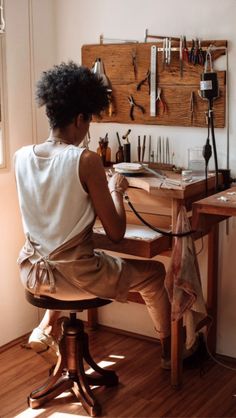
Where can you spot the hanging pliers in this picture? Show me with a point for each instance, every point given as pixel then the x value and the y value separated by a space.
pixel 193 53
pixel 145 80
pixel 196 53
pixel 200 53
pixel 161 101
pixel 132 105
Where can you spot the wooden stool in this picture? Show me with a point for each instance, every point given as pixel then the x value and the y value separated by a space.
pixel 69 372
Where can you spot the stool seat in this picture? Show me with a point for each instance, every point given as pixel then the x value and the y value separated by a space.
pixel 69 373
pixel 47 302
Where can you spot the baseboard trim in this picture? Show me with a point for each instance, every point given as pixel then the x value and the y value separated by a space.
pixel 128 333
pixel 222 358
pixel 17 341
pixel 24 338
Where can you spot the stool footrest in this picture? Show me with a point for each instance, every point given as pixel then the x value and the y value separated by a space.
pixel 108 380
pixel 37 398
pixel 69 372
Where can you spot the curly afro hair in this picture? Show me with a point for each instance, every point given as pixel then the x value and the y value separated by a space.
pixel 68 90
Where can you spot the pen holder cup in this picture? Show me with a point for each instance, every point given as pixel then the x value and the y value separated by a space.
pixel 127 151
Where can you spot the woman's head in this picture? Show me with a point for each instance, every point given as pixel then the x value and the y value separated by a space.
pixel 68 90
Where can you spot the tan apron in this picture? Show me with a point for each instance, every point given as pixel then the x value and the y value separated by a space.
pixel 74 271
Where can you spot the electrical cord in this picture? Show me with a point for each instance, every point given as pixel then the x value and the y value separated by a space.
pixel 210 354
pixel 181 234
pixel 207 152
pixel 202 245
pixel 214 144
pixel 161 231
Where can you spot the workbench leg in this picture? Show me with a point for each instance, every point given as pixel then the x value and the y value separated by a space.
pixel 176 353
pixel 176 326
pixel 212 285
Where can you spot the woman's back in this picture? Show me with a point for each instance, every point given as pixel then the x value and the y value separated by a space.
pixel 50 191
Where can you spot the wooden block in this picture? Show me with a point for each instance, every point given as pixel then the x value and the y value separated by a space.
pixel 176 91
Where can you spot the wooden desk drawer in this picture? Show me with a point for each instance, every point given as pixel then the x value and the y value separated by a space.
pixel 139 240
pixel 145 202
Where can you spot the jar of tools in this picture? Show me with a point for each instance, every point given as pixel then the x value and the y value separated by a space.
pixel 104 151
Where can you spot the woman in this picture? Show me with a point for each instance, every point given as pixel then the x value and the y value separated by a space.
pixel 61 189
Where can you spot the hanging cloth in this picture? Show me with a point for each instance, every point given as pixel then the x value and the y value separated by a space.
pixel 183 282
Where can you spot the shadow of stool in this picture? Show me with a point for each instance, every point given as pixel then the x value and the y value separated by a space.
pixel 69 372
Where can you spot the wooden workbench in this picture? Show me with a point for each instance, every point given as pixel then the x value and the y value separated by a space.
pixel 215 208
pixel 207 213
pixel 159 204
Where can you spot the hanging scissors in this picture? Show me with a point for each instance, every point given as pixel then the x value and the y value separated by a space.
pixel 161 101
pixel 133 104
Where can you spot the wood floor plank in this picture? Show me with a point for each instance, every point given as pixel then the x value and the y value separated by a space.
pixel 143 392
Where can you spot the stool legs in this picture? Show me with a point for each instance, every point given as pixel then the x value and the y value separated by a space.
pixel 69 372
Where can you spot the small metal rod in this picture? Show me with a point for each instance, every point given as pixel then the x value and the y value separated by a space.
pixel 103 39
pixel 118 139
pixel 143 147
pixel 191 106
pixel 158 36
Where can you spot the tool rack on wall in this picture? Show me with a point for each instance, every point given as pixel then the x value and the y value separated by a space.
pixel 184 106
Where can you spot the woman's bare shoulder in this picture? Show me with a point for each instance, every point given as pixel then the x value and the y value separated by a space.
pixel 90 155
pixel 91 159
pixel 90 163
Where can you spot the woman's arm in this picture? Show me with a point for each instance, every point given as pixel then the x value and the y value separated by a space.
pixel 107 198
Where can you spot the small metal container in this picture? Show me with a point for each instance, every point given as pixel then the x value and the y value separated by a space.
pixel 187 175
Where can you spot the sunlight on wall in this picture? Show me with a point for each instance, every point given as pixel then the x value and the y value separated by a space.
pixel 1 148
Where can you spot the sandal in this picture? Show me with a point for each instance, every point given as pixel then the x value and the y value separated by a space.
pixel 44 344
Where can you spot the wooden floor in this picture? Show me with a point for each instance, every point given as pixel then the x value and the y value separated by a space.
pixel 144 390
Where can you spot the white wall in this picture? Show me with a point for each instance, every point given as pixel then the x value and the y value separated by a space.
pixel 60 29
pixel 82 23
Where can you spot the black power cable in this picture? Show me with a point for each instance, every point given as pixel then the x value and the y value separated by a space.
pixel 209 89
pixel 207 152
pixel 214 144
pixel 207 149
pixel 161 231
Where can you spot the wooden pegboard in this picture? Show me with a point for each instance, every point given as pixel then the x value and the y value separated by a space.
pixel 176 91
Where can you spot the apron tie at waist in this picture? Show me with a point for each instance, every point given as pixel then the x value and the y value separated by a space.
pixel 41 271
pixel 41 274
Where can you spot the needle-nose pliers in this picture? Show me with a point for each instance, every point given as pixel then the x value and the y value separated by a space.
pixel 132 105
pixel 161 101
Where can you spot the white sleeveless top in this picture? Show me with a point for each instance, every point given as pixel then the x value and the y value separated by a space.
pixel 53 203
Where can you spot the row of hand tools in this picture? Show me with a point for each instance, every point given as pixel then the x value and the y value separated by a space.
pixel 192 55
pixel 158 151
